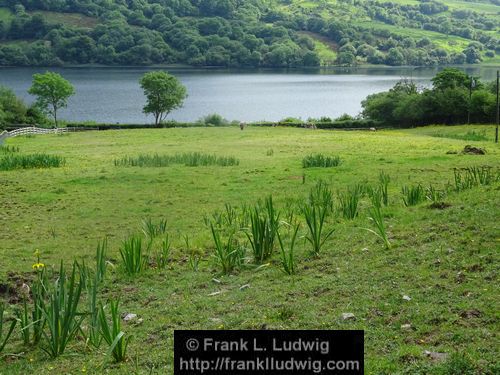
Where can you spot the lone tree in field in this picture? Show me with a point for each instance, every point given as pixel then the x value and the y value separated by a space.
pixel 164 93
pixel 52 92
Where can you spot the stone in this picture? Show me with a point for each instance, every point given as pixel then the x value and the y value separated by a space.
pixel 436 356
pixel 348 316
pixel 470 150
pixel 129 317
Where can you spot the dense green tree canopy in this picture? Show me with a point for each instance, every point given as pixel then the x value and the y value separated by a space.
pixel 14 111
pixel 254 33
pixel 448 102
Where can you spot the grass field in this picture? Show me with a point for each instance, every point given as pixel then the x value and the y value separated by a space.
pixel 71 19
pixel 5 14
pixel 445 259
pixel 324 47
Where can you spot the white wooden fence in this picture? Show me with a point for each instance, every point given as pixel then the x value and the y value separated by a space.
pixel 29 131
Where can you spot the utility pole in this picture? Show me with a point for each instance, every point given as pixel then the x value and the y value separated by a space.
pixel 498 106
pixel 471 84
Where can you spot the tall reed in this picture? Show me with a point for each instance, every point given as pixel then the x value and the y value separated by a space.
pixel 101 262
pixel 152 229
pixel 93 334
pixel 17 161
pixel 315 219
pixel 228 253
pixel 349 201
pixel 321 195
pixel 434 195
pixel 378 221
pixel 163 254
pixel 413 195
pixel 384 180
pixel 191 159
pixel 133 256
pixel 320 160
pixel 61 312
pixel 4 337
pixel 287 252
pixel 264 223
pixel 112 333
pixel 468 178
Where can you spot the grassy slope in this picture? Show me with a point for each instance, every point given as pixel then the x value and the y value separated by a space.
pixel 451 43
pixel 324 47
pixel 445 260
pixel 5 14
pixel 70 19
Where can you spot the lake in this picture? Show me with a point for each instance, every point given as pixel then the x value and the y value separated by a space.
pixel 113 95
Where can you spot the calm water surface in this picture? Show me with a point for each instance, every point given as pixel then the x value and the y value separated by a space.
pixel 113 95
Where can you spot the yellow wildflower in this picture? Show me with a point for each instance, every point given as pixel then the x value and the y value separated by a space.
pixel 37 266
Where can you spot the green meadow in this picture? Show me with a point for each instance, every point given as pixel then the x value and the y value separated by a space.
pixel 434 290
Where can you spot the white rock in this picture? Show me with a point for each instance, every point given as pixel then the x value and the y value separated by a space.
pixel 406 326
pixel 129 317
pixel 214 294
pixel 436 356
pixel 348 316
pixel 246 286
pixel 407 298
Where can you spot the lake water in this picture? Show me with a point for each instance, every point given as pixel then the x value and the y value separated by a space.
pixel 113 95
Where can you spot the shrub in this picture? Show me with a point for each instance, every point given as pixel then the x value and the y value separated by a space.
pixel 214 119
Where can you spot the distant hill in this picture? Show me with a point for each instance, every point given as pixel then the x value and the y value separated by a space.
pixel 250 33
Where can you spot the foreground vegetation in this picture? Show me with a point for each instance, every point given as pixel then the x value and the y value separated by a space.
pixel 409 251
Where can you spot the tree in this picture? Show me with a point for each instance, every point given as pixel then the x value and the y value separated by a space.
pixel 451 78
pixel 12 109
pixel 164 93
pixel 52 92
